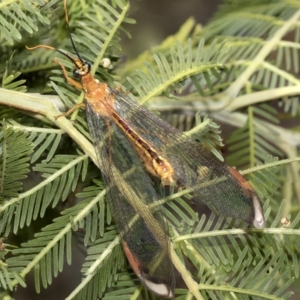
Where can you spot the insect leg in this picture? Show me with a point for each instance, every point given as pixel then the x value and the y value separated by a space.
pixel 75 83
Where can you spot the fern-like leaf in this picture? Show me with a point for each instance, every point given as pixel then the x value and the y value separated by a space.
pixel 52 245
pixel 18 17
pixel 103 262
pixel 15 151
pixel 241 266
pixel 248 146
pixel 9 83
pixel 61 176
pixel 183 63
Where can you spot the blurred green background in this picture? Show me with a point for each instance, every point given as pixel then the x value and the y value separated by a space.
pixel 157 19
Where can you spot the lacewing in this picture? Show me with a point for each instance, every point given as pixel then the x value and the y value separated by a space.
pixel 135 150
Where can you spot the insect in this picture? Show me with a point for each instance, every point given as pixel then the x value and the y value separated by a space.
pixel 137 150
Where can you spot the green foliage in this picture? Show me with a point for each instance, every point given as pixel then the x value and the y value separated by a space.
pixel 242 69
pixel 16 149
pixel 184 62
pixel 248 145
pixel 24 16
pixel 243 266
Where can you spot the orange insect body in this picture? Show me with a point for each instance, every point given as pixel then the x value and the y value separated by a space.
pixel 154 163
pixel 98 96
pixel 158 275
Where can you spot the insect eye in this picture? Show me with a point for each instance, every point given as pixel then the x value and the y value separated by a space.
pixel 76 72
pixel 88 65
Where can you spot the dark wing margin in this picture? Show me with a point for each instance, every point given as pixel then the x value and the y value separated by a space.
pixel 130 191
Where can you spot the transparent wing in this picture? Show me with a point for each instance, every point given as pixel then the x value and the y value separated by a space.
pixel 130 191
pixel 214 183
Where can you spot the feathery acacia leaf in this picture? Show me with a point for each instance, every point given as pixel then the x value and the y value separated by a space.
pixel 170 74
pixel 15 151
pixel 103 262
pixel 252 61
pixel 61 174
pixel 16 17
pixel 53 241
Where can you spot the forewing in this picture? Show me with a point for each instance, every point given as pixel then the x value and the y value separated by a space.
pixel 130 191
pixel 213 182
